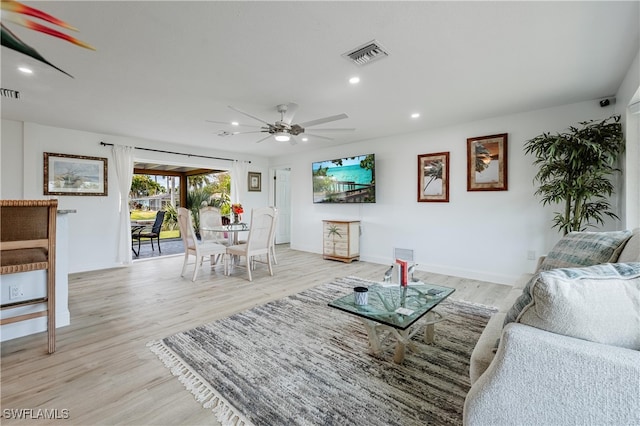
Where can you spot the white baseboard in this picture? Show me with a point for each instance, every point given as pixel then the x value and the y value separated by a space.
pixel 32 326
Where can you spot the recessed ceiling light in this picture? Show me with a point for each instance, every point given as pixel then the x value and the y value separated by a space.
pixel 415 115
pixel 305 139
pixel 354 80
pixel 25 70
pixel 235 123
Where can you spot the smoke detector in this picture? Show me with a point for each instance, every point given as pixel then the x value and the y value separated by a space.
pixel 366 53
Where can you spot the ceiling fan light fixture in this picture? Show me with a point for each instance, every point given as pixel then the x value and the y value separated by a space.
pixel 282 137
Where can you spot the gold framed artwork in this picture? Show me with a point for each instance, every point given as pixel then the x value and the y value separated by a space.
pixel 487 163
pixel 433 177
pixel 255 181
pixel 66 174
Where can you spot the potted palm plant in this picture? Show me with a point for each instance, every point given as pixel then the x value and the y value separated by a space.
pixel 575 168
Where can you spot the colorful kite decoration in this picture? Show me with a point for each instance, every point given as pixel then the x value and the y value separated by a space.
pixel 10 40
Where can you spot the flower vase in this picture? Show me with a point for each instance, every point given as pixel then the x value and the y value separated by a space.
pixel 236 218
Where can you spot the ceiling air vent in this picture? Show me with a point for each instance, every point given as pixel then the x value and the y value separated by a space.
pixel 8 93
pixel 368 52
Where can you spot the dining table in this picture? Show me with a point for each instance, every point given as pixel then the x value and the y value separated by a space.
pixel 232 230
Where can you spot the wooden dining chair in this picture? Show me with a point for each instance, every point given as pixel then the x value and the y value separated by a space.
pixel 259 240
pixel 199 249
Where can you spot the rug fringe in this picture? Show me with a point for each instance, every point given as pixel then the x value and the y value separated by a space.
pixel 206 395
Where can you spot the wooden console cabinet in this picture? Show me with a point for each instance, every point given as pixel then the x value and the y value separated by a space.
pixel 341 240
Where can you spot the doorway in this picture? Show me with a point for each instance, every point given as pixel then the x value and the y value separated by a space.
pixel 282 201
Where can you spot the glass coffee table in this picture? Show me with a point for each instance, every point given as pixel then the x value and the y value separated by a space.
pixel 394 311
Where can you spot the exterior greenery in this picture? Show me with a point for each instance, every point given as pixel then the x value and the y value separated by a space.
pixel 143 185
pixel 575 169
pixel 203 190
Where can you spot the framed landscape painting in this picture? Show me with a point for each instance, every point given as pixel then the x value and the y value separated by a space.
pixel 255 181
pixel 433 177
pixel 66 174
pixel 487 163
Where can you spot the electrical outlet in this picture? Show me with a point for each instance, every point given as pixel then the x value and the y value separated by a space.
pixel 531 255
pixel 15 292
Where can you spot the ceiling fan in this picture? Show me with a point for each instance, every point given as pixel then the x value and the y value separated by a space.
pixel 284 130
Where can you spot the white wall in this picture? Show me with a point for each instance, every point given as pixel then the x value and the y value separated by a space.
pixel 11 161
pixel 481 235
pixel 629 92
pixel 92 230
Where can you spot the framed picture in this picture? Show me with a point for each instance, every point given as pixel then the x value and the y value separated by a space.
pixel 255 181
pixel 433 177
pixel 66 174
pixel 487 163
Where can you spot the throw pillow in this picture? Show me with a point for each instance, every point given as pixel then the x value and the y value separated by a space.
pixel 578 249
pixel 600 303
pixel 631 250
pixel 523 300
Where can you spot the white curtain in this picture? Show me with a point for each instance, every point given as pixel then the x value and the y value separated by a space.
pixel 239 171
pixel 123 156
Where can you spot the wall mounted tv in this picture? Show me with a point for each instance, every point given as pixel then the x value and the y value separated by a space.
pixel 345 180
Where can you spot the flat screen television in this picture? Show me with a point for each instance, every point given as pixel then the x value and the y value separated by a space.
pixel 345 180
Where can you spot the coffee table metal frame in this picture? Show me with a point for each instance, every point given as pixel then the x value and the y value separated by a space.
pixel 382 321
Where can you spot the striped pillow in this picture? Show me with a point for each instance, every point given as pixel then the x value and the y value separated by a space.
pixel 574 250
pixel 579 249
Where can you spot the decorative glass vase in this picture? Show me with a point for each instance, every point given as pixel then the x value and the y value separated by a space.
pixel 236 218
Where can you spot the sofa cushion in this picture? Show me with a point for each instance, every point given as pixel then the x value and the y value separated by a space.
pixel 600 303
pixel 578 249
pixel 631 250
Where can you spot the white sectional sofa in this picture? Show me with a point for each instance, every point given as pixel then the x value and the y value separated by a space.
pixel 571 355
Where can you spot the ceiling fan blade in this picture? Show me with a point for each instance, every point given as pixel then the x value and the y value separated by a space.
pixel 291 111
pixel 334 130
pixel 318 136
pixel 323 120
pixel 229 124
pixel 249 115
pixel 263 139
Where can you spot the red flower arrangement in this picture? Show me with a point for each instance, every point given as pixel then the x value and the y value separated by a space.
pixel 237 208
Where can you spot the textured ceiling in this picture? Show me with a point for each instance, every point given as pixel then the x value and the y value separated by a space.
pixel 161 69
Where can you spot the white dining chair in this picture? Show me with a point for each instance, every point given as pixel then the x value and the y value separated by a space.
pixel 199 249
pixel 259 241
pixel 210 218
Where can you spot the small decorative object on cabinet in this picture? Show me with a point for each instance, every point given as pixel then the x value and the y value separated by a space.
pixel 341 240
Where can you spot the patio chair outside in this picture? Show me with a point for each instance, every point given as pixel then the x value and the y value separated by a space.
pixel 152 233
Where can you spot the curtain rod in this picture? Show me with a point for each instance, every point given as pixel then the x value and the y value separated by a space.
pixel 177 153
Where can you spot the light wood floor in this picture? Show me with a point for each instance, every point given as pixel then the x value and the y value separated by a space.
pixel 102 371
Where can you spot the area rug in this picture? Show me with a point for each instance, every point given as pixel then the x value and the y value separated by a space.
pixel 296 361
